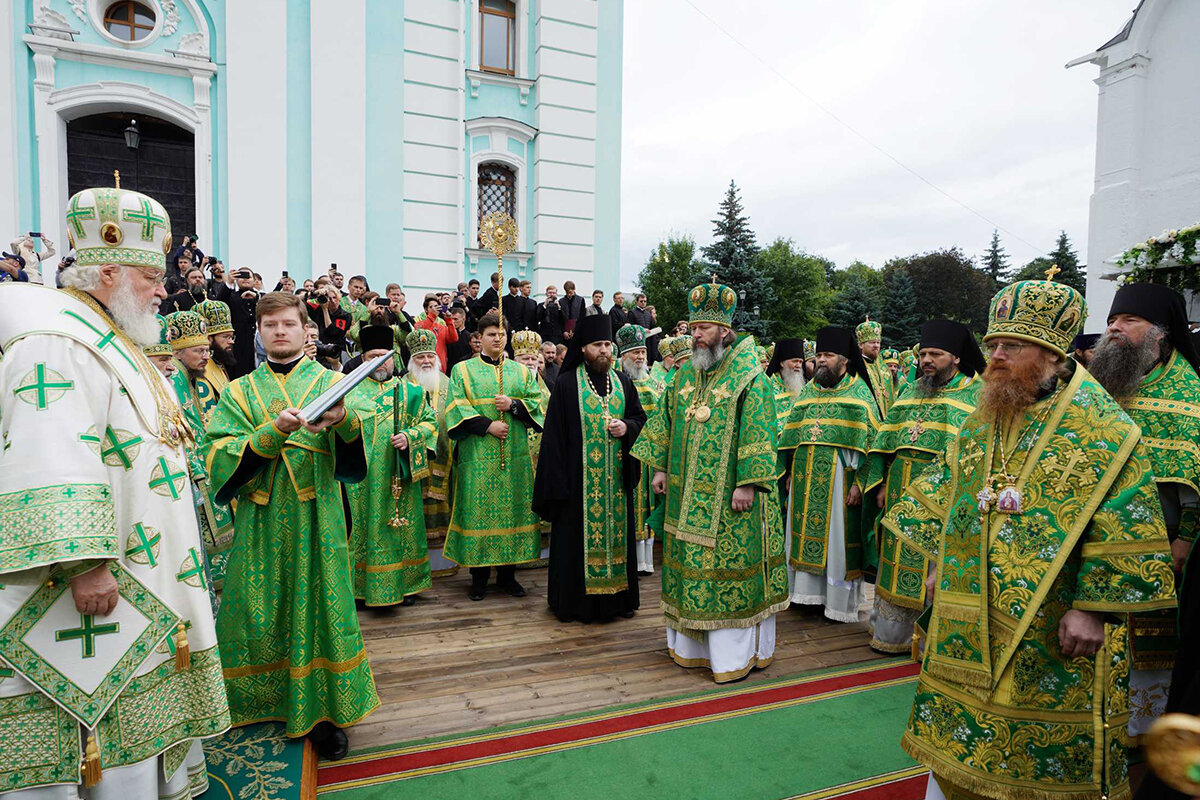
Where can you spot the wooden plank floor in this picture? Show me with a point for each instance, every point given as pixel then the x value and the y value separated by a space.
pixel 449 665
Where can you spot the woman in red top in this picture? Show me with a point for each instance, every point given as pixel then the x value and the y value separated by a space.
pixel 438 320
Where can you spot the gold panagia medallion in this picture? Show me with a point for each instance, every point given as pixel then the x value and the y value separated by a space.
pixel 702 413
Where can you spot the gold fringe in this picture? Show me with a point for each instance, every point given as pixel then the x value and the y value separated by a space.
pixel 183 651
pixel 91 763
pixel 679 622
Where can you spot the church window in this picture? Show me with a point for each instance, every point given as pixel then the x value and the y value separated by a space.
pixel 497 190
pixel 129 21
pixel 498 36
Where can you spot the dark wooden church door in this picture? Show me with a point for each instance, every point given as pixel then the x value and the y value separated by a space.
pixel 163 166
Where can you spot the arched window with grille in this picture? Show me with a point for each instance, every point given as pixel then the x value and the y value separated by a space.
pixel 497 190
pixel 498 36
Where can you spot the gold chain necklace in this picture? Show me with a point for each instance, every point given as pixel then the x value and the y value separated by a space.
pixel 699 410
pixel 606 398
pixel 173 430
pixel 1009 499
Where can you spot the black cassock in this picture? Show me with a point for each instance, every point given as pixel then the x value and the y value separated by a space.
pixel 558 499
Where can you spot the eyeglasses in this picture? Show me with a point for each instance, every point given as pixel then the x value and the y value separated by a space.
pixel 1008 348
pixel 152 274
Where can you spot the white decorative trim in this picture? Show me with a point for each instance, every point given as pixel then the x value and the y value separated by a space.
pixel 498 130
pixel 117 57
pixel 476 78
pixel 96 9
pixel 171 20
pixel 51 24
pixel 80 8
pixel 522 55
pixel 522 258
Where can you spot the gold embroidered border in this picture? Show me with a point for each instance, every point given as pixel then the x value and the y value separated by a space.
pixel 301 671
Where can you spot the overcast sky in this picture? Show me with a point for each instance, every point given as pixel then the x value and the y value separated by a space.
pixel 972 95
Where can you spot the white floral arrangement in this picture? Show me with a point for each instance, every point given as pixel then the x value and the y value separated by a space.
pixel 1171 258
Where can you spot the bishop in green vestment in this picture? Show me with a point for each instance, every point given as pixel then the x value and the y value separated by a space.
pixel 1044 525
pixel 712 448
pixel 291 645
pixel 1146 360
pixel 879 377
pixel 388 550
pixel 917 429
pixel 494 403
pixel 827 437
pixel 631 346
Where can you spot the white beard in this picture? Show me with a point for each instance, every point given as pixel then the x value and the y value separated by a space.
pixel 138 322
pixel 793 381
pixel 704 359
pixel 636 372
pixel 382 374
pixel 427 378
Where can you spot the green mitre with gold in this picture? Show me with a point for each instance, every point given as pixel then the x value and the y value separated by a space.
pixel 186 329
pixel 810 349
pixel 163 346
pixel 421 340
pixel 117 226
pixel 712 302
pixel 868 331
pixel 1045 313
pixel 683 348
pixel 631 337
pixel 891 356
pixel 216 316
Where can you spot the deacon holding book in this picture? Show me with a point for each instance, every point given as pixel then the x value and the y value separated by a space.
pixel 388 551
pixel 587 480
pixel 104 605
pixel 290 641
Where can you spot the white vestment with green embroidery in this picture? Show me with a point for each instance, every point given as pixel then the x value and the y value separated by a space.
pixel 85 478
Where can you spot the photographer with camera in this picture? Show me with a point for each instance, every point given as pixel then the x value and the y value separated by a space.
pixel 23 249
pixel 242 300
pixel 437 319
pixel 324 308
pixel 194 291
pixel 550 317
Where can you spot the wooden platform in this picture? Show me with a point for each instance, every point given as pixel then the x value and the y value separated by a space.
pixel 449 665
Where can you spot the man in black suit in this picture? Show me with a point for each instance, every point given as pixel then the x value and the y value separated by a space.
pixel 642 314
pixel 550 317
pixel 518 316
pixel 195 289
pixel 530 305
pixel 242 300
pixel 572 306
pixel 618 314
pixel 488 300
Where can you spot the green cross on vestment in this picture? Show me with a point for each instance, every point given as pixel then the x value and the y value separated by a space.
pixel 147 217
pixel 162 479
pixel 107 339
pixel 114 454
pixel 86 633
pixel 47 384
pixel 147 545
pixel 5 672
pixel 191 568
pixel 75 213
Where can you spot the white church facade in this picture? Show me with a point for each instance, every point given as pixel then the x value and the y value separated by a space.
pixel 292 134
pixel 1147 147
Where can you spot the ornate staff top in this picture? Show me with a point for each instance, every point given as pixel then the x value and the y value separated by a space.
pixel 498 233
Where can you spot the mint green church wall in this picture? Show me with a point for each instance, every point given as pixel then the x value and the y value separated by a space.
pixel 608 144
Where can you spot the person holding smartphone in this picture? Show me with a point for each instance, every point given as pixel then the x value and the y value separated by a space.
pixel 24 247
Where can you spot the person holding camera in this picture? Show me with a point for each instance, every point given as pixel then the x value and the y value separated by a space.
pixel 32 259
pixel 332 322
pixel 437 319
pixel 12 268
pixel 242 300
pixel 550 317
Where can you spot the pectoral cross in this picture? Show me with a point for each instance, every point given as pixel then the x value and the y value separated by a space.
pixel 915 431
pixel 814 431
pixel 986 496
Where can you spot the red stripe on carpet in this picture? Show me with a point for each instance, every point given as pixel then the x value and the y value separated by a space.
pixel 906 789
pixel 513 742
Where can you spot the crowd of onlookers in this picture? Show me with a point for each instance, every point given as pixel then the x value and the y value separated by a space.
pixel 338 308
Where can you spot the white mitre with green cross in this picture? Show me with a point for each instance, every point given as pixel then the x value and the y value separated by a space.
pixel 118 226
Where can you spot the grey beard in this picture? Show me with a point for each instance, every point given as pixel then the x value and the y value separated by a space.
pixel 704 359
pixel 1120 367
pixel 137 322
pixel 636 372
pixel 826 377
pixel 382 374
pixel 793 381
pixel 929 385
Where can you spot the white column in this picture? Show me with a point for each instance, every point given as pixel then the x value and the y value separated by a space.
pixel 338 140
pixel 202 143
pixel 9 207
pixel 51 149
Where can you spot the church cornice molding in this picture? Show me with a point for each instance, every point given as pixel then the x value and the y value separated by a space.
pixel 518 130
pixel 477 78
pixel 124 59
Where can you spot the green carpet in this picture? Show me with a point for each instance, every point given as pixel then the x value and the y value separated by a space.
pixel 765 755
pixel 257 762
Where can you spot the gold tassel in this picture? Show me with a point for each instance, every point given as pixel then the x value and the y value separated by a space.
pixel 91 762
pixel 183 652
pixel 916 647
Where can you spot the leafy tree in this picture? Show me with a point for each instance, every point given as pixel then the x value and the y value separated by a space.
pixel 947 284
pixel 901 325
pixel 868 275
pixel 995 261
pixel 667 278
pixel 1061 257
pixel 799 283
pixel 853 304
pixel 732 257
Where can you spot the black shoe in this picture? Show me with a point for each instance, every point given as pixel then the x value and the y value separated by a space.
pixel 409 600
pixel 644 572
pixel 628 614
pixel 477 592
pixel 330 741
pixel 514 589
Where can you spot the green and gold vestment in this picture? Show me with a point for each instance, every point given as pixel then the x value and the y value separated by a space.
pixel 881 384
pixel 721 568
pixel 436 487
pixel 999 711
pixel 916 430
pixel 290 641
pixel 390 560
pixel 491 519
pixel 822 423
pixel 650 392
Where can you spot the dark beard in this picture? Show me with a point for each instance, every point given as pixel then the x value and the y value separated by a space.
pixel 599 364
pixel 929 385
pixel 1008 391
pixel 1119 365
pixel 224 358
pixel 826 378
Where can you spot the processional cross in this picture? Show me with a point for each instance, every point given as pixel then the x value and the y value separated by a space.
pixel 498 233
